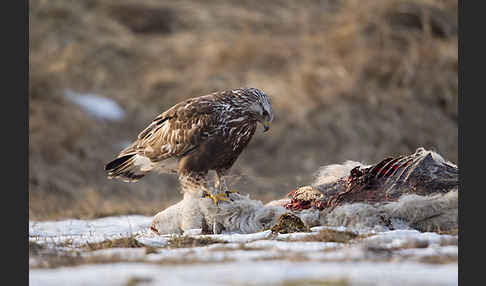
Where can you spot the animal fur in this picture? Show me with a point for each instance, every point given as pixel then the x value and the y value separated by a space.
pixel 244 215
pixel 436 210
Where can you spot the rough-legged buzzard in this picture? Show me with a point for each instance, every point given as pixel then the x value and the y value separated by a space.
pixel 195 136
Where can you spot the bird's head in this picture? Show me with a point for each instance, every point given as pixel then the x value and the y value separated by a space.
pixel 260 107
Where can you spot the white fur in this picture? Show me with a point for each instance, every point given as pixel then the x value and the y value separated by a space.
pixel 426 213
pixel 331 173
pixel 245 215
pixel 169 220
pixel 242 215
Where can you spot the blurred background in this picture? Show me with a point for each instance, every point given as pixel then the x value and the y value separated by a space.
pixel 349 80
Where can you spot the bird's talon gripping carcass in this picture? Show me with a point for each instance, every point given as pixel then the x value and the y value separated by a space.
pixel 219 197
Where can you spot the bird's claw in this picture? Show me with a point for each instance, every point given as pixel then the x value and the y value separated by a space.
pixel 219 197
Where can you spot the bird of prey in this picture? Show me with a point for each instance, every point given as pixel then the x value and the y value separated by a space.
pixel 195 136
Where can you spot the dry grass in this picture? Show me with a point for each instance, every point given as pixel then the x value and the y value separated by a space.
pixel 136 280
pixel 189 241
pixel 75 259
pixel 348 79
pixel 439 259
pixel 46 257
pixel 55 260
pixel 124 242
pixel 453 231
pixel 330 235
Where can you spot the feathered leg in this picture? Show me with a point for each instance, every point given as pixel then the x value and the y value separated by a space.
pixel 193 182
pixel 197 182
pixel 220 183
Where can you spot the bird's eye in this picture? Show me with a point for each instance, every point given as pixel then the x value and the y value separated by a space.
pixel 265 113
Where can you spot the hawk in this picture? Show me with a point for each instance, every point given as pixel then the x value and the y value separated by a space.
pixel 195 136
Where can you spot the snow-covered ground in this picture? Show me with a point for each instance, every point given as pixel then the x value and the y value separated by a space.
pixel 398 257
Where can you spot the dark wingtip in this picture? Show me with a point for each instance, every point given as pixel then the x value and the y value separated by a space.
pixel 117 162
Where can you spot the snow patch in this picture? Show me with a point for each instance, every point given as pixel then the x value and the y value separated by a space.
pixel 261 258
pixel 249 273
pixel 98 106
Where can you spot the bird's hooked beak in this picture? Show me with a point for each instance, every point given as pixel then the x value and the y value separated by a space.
pixel 266 124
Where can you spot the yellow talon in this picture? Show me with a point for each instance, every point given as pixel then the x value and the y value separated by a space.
pixel 219 197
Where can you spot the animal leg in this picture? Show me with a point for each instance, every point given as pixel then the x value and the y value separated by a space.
pixel 198 183
pixel 220 182
pixel 194 182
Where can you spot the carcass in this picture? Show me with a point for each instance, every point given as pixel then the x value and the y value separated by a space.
pixel 418 190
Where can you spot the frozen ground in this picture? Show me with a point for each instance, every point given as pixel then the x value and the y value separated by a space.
pixel 77 252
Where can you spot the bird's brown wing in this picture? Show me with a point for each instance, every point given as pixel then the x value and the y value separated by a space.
pixel 169 137
pixel 175 132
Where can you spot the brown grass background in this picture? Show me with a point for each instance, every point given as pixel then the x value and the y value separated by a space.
pixel 349 80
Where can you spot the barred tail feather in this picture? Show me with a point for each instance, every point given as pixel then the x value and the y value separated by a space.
pixel 125 168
